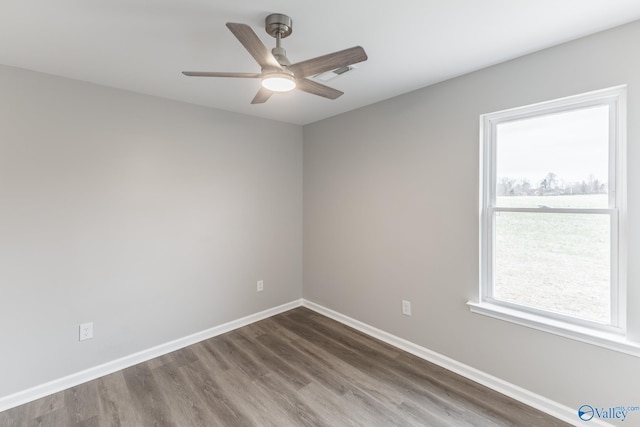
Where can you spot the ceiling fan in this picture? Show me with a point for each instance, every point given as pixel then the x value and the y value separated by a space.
pixel 278 74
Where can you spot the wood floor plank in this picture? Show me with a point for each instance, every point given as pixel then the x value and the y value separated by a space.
pixel 177 358
pixel 352 337
pixel 89 422
pixel 295 377
pixel 15 417
pixel 52 419
pixel 226 410
pixel 331 407
pixel 240 387
pixel 115 402
pixel 297 368
pixel 80 403
pixel 47 404
pixel 284 396
pixel 235 356
pixel 186 407
pixel 147 398
pixel 374 407
pixel 216 353
pixel 296 358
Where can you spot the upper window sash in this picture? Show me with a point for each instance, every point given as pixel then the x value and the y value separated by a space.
pixel 489 123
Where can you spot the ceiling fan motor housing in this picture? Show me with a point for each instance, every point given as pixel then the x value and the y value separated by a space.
pixel 278 23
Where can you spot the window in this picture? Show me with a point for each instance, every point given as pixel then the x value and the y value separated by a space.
pixel 552 210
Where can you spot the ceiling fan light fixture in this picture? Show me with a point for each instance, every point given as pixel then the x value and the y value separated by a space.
pixel 278 82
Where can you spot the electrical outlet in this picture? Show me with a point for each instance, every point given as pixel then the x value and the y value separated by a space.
pixel 86 331
pixel 406 307
pixel 260 287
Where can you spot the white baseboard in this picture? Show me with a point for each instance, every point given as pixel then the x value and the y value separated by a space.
pixel 527 397
pixel 29 395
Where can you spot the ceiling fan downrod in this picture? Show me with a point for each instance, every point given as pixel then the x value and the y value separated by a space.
pixel 279 26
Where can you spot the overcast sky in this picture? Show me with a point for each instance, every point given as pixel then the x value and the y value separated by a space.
pixel 573 145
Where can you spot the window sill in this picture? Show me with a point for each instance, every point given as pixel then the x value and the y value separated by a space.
pixel 607 340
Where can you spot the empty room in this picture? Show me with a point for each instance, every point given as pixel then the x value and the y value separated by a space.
pixel 410 213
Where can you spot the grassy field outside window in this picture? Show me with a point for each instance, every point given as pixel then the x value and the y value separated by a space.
pixel 559 262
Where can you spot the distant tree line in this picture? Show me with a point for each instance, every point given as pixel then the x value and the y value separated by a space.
pixel 550 185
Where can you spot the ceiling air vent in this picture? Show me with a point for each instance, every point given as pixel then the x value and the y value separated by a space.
pixel 330 75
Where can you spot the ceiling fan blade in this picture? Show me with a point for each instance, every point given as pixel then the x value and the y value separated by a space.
pixel 214 74
pixel 315 88
pixel 252 43
pixel 328 62
pixel 262 96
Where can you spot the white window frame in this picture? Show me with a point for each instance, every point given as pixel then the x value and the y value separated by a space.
pixel 614 334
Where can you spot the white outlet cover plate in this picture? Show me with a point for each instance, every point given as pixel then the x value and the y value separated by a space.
pixel 86 331
pixel 406 308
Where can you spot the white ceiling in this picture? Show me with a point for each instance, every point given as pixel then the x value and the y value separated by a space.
pixel 143 45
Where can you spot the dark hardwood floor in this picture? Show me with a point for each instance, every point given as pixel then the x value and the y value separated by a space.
pixel 294 369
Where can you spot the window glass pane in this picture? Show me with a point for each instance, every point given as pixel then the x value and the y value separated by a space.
pixel 558 154
pixel 554 262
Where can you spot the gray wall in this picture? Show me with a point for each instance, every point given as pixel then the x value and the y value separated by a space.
pixel 151 218
pixel 391 213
